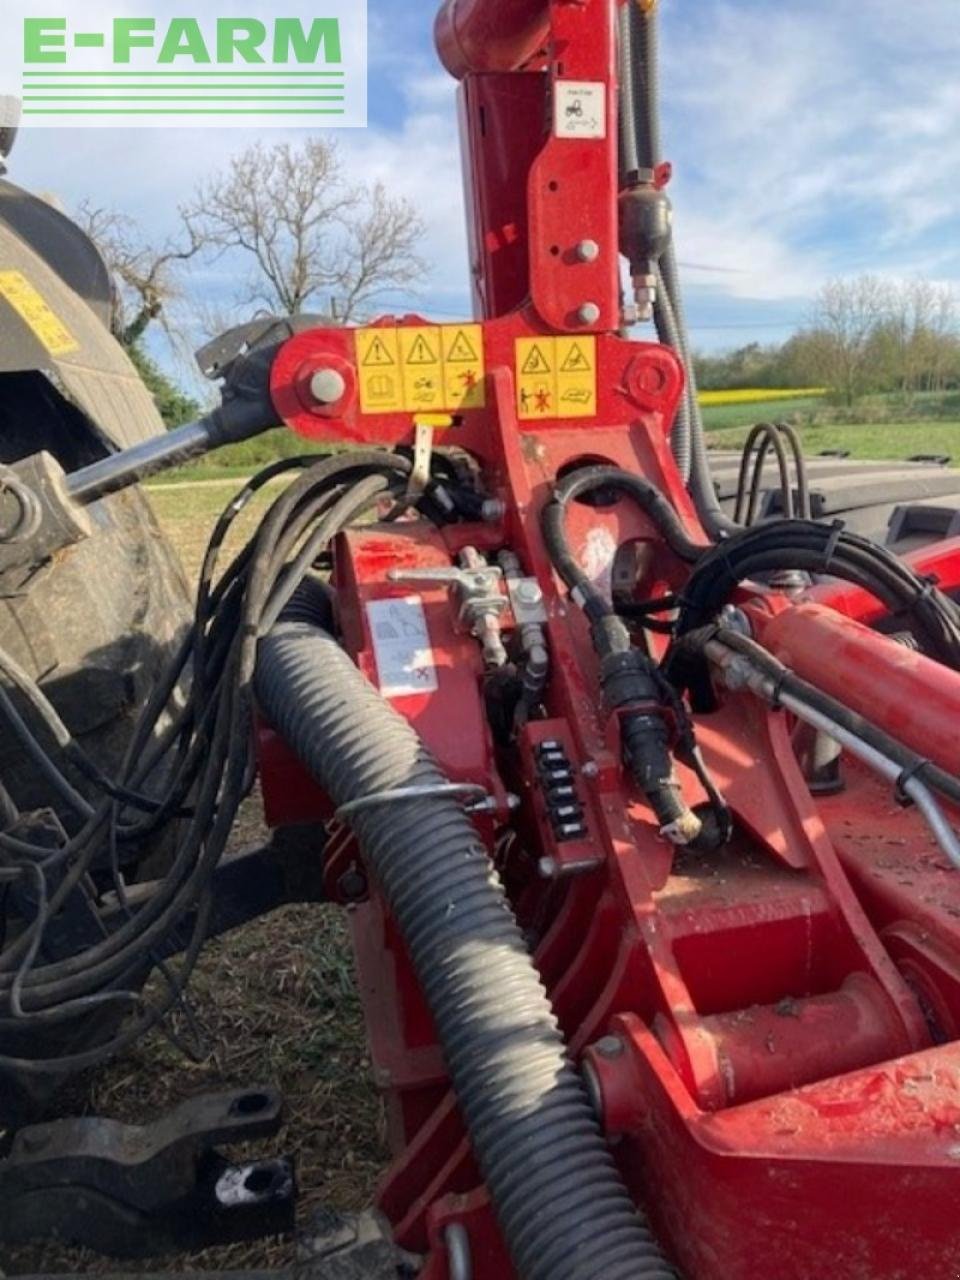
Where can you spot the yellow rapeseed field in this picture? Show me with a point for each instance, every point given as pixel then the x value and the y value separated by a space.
pixel 756 395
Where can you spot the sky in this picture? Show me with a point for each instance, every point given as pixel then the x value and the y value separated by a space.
pixel 809 138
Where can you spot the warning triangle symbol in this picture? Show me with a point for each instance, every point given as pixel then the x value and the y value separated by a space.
pixel 378 354
pixel 421 353
pixel 576 361
pixel 536 362
pixel 462 352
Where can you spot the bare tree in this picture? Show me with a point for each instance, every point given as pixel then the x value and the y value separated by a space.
pixel 145 278
pixel 942 336
pixel 847 317
pixel 310 234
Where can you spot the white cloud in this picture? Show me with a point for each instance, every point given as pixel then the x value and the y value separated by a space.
pixel 812 138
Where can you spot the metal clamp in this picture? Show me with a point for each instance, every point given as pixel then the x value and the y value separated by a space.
pixel 378 798
pixel 478 589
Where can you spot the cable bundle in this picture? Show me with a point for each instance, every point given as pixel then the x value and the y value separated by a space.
pixel 190 763
pixel 835 552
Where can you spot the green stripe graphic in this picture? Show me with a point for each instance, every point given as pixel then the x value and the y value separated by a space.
pixel 165 97
pixel 167 111
pixel 285 74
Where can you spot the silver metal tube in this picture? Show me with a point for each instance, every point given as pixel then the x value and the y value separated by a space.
pixel 120 470
pixel 743 673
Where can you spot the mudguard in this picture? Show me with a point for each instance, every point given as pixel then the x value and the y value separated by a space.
pixel 55 306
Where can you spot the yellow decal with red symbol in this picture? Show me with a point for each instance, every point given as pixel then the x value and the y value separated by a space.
pixel 34 311
pixel 421 369
pixel 556 378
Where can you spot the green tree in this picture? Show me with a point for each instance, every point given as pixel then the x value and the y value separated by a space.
pixel 175 407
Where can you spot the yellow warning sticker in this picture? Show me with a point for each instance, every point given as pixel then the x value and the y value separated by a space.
pixel 536 378
pixel 380 372
pixel 422 369
pixel 556 378
pixel 463 366
pixel 577 377
pixel 44 323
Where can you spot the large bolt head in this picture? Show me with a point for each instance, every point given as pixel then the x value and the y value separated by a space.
pixel 327 386
pixel 588 313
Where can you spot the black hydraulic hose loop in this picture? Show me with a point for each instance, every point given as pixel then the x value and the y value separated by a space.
pixel 564 1212
pixel 651 500
pixel 804 502
pixel 814 548
pixel 762 438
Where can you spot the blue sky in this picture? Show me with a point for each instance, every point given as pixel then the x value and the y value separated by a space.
pixel 810 138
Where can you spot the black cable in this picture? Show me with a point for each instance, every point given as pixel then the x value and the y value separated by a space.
pixel 763 438
pixel 818 548
pixel 650 499
pixel 207 741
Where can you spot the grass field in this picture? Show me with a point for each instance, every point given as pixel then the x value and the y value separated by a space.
pixel 880 427
pixel 898 440
pixel 718 416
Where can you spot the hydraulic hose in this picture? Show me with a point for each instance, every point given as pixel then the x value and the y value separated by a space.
pixel 640 149
pixel 640 78
pixel 564 1212
pixel 820 549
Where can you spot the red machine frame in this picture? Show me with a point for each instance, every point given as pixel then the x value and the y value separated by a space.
pixel 770 1028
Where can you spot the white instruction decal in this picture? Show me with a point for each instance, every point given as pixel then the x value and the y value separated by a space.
pixel 580 109
pixel 401 645
pixel 597 559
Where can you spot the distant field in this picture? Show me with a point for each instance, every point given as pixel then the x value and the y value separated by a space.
pixel 889 432
pixel 746 413
pixel 899 440
pixel 756 396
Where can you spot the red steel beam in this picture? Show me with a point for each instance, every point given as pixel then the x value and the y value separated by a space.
pixel 490 35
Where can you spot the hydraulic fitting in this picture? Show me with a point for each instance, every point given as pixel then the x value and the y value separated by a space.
pixel 646 227
pixel 633 692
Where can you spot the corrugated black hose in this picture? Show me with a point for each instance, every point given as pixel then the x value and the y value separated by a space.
pixel 564 1212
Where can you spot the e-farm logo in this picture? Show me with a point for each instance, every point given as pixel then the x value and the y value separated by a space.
pixel 213 69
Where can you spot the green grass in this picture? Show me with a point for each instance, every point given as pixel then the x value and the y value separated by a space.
pixel 720 416
pixel 238 460
pixel 899 440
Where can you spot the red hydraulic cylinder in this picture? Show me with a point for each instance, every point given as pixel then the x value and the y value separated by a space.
pixel 913 698
pixel 490 35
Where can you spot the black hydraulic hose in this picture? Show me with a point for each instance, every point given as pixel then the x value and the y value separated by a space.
pixel 669 333
pixel 640 148
pixel 629 679
pixel 763 438
pixel 818 548
pixel 647 72
pixel 642 97
pixel 651 500
pixel 564 1212
pixel 627 59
